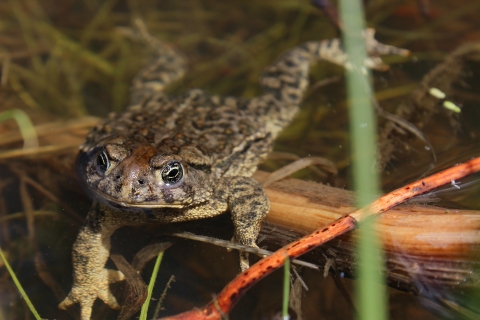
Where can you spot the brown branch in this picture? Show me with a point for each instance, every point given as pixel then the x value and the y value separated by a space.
pixel 238 286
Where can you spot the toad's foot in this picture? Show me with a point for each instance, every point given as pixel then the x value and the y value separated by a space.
pixel 90 289
pixel 244 261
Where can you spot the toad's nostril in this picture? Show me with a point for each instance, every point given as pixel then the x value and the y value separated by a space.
pixel 118 177
pixel 141 181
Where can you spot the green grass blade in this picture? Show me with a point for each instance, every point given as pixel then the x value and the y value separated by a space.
pixel 151 284
pixel 27 130
pixel 370 295
pixel 286 288
pixel 19 287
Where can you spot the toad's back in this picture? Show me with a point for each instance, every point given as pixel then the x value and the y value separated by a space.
pixel 216 126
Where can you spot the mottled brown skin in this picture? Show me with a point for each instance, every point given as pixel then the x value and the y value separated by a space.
pixel 213 144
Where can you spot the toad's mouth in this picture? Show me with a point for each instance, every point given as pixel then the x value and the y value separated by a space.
pixel 142 205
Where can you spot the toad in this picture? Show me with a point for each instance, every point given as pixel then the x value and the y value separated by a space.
pixel 176 158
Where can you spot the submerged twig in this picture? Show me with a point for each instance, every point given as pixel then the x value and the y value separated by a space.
pixel 299 164
pixel 158 308
pixel 28 208
pixel 231 245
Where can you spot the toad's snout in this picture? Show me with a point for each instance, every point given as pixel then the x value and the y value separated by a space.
pixel 131 179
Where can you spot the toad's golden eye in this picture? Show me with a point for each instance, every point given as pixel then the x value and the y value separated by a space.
pixel 102 163
pixel 172 173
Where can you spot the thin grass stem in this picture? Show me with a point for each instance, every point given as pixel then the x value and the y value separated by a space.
pixel 151 284
pixel 19 287
pixel 370 295
pixel 286 289
pixel 27 129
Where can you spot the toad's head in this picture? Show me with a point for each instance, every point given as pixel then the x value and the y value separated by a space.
pixel 145 176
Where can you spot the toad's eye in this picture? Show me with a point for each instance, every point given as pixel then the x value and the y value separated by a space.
pixel 102 163
pixel 172 173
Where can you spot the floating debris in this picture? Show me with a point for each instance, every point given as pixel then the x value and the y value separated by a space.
pixel 451 106
pixel 437 93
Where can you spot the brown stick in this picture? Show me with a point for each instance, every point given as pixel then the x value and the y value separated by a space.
pixel 237 287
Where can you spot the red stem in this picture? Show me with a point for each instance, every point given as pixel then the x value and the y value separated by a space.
pixel 419 187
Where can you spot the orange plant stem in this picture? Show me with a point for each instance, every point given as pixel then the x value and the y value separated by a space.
pixel 238 286
pixel 418 187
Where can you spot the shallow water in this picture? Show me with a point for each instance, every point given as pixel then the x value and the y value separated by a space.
pixel 228 44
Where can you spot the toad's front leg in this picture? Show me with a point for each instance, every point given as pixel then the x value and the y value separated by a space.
pixel 248 204
pixel 90 253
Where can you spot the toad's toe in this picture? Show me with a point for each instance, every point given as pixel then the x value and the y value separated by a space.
pixel 114 276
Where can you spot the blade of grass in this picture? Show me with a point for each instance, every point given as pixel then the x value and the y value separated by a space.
pixel 36 81
pixel 30 37
pixel 19 287
pixel 86 55
pixel 151 284
pixel 27 130
pixel 286 289
pixel 370 289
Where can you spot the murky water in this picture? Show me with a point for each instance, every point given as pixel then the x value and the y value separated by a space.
pixel 67 61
